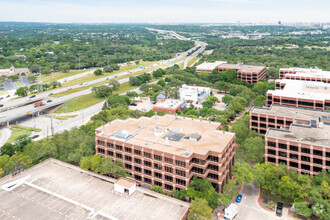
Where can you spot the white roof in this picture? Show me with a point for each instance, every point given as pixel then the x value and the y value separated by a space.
pixel 209 66
pixel 308 72
pixel 169 103
pixel 303 90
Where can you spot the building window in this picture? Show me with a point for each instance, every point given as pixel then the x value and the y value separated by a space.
pixel 280 122
pixel 271 144
pixel 118 155
pixel 213 167
pixel 282 161
pixel 137 169
pixel 168 160
pixel 118 147
pixel 255 118
pixel 317 161
pixel 306 159
pixel 262 119
pixel 293 164
pixel 282 146
pixel 100 150
pixel 102 143
pixel 137 152
pixel 213 158
pixel 293 148
pixel 158 175
pixel 148 172
pixel 147 163
pixel 168 178
pixel 305 150
pixel 137 177
pixel 271 159
pixel 147 180
pixel 158 166
pixel 180 182
pixel 180 163
pixel 317 169
pixel 271 120
pixel 318 153
pixel 327 154
pixel 128 158
pixel 138 161
pixel 305 167
pixel 158 183
pixel 147 155
pixel 168 169
pixel 110 145
pixel 128 150
pixel 294 156
pixel 128 166
pixel 272 152
pixel 282 154
pixel 327 163
pixel 180 172
pixel 168 187
pixel 110 153
pixel 157 157
pixel 213 176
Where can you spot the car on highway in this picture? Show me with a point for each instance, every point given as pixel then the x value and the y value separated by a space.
pixel 239 198
pixel 7 96
pixel 2 116
pixel 64 80
pixel 32 96
pixel 279 209
pixel 49 100
pixel 86 84
pixel 1 105
pixel 80 84
pixel 35 136
pixel 1 98
pixel 107 78
pixel 51 93
pixel 69 88
pixel 115 76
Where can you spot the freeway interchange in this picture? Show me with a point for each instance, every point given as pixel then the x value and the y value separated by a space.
pixel 21 107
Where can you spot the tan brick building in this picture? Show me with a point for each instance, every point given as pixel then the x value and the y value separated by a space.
pixel 168 151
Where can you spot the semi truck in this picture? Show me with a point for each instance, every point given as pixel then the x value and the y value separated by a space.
pixel 38 104
pixel 231 211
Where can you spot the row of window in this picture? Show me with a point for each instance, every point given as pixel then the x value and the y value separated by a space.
pixel 293 102
pixel 270 120
pixel 158 183
pixel 296 148
pixel 295 165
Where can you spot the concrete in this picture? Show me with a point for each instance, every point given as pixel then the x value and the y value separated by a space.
pixel 5 134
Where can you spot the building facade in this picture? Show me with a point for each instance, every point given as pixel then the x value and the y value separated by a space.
pixel 312 95
pixel 248 73
pixel 13 71
pixel 168 105
pixel 313 75
pixel 281 117
pixel 169 151
pixel 305 149
pixel 196 94
pixel 208 67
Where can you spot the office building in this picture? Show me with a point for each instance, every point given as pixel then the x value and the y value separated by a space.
pixel 208 67
pixel 304 74
pixel 169 151
pixel 196 94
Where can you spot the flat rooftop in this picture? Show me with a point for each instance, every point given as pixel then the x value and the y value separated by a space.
pixel 303 134
pixel 243 67
pixel 304 72
pixel 78 194
pixel 209 66
pixel 303 90
pixel 169 134
pixel 290 112
pixel 169 103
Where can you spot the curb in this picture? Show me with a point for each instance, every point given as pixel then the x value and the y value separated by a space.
pixel 259 201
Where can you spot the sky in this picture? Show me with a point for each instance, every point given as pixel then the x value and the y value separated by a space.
pixel 165 11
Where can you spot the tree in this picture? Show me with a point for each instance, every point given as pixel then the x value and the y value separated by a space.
pixel 7 149
pixel 32 78
pixel 260 88
pixel 102 91
pixel 13 77
pixel 213 99
pixel 98 72
pixel 222 86
pixel 199 210
pixel 228 76
pixel 260 101
pixel 96 161
pixel 22 91
pixel 243 173
pixel 235 106
pixel 227 99
pixel 158 189
pixel 65 68
pixel 145 88
pixel 252 149
pixel 161 82
pixel 108 69
pixel 114 83
pixel 132 94
pixel 86 163
pixel 230 191
pixel 207 104
pixel 55 84
pixel 158 73
pixel 302 208
pixel 35 68
pixel 45 71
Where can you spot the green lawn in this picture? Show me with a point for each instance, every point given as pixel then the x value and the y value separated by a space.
pixel 18 130
pixel 62 117
pixel 60 75
pixel 193 60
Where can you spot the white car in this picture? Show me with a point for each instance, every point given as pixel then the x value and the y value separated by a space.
pixel 2 116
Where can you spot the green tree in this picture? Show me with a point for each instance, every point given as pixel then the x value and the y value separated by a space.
pixel 158 189
pixel 243 173
pixel 98 72
pixel 7 149
pixel 45 71
pixel 102 91
pixel 22 91
pixel 213 99
pixel 199 210
pixel 65 68
pixel 114 83
pixel 260 101
pixel 235 106
pixel 230 191
pixel 132 94
pixel 252 149
pixel 227 99
pixel 161 82
pixel 207 104
pixel 32 78
pixel 96 161
pixel 86 163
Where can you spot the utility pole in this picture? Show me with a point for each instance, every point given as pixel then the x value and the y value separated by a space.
pixel 79 63
pixel 51 124
pixel 66 106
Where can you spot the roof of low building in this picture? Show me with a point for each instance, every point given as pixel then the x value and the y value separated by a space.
pixel 243 67
pixel 160 96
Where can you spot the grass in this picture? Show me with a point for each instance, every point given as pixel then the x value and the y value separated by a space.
pixel 193 60
pixel 18 130
pixel 62 117
pixel 60 75
pixel 88 100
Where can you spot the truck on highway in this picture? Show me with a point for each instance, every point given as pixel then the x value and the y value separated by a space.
pixel 231 211
pixel 38 104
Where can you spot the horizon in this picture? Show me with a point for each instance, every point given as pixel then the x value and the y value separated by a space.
pixel 166 12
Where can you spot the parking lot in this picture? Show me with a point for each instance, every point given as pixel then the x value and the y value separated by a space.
pixel 143 104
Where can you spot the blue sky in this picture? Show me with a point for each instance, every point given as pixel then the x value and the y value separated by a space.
pixel 165 11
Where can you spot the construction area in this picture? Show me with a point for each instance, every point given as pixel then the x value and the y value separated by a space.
pixel 57 190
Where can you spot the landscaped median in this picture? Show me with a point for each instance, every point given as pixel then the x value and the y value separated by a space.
pixel 18 131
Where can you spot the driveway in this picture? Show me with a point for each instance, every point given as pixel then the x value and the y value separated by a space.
pixel 4 135
pixel 249 208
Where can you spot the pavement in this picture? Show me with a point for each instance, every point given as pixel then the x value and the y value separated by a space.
pixel 5 135
pixel 250 209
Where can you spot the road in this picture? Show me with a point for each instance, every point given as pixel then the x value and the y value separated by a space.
pixel 5 135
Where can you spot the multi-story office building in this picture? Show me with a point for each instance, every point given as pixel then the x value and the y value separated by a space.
pixel 304 148
pixel 281 117
pixel 208 67
pixel 314 75
pixel 312 95
pixel 248 73
pixel 168 151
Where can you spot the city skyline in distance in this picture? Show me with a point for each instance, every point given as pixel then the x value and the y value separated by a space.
pixel 168 11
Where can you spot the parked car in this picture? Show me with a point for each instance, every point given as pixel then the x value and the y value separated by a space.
pixel 239 198
pixel 133 104
pixel 1 105
pixel 2 116
pixel 51 93
pixel 35 136
pixel 32 96
pixel 279 209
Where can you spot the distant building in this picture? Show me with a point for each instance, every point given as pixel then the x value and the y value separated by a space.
pixel 169 151
pixel 248 73
pixel 313 95
pixel 168 105
pixel 208 67
pixel 194 93
pixel 13 71
pixel 304 74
